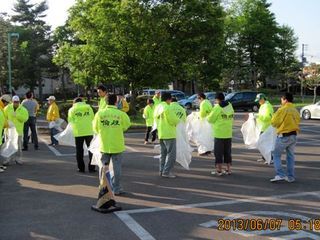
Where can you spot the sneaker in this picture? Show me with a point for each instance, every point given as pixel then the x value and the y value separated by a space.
pixel 216 173
pixel 120 193
pixel 277 179
pixel 18 162
pixel 3 167
pixel 1 170
pixel 260 160
pixel 169 175
pixel 290 180
pixel 226 172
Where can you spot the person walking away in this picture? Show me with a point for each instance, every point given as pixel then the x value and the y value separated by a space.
pixel 53 115
pixel 110 123
pixel 122 104
pixel 32 108
pixel 18 115
pixel 221 117
pixel 102 92
pixel 264 116
pixel 80 116
pixel 166 124
pixel 157 98
pixel 286 120
pixel 148 116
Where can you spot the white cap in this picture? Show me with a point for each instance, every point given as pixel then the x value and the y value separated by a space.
pixel 51 98
pixel 15 99
pixel 6 97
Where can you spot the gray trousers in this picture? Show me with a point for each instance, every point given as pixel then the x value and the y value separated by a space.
pixel 168 155
pixel 116 161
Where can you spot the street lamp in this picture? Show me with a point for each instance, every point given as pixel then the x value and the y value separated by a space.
pixel 9 58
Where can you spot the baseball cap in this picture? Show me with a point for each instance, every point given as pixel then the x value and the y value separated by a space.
pixel 260 96
pixel 6 97
pixel 15 98
pixel 51 98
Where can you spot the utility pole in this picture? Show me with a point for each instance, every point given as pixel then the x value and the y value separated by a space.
pixel 303 61
pixel 9 60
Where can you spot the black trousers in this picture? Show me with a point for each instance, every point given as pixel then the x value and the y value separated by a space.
pixel 154 134
pixel 79 153
pixel 30 123
pixel 222 150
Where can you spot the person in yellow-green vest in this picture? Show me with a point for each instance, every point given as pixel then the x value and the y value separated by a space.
pixel 53 115
pixel 80 116
pixel 205 105
pixel 264 116
pixel 179 110
pixel 109 124
pixel 221 117
pixel 157 98
pixel 102 93
pixel 286 120
pixel 17 115
pixel 167 122
pixel 205 110
pixel 148 116
pixel 2 122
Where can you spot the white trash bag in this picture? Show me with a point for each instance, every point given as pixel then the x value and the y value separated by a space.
pixel 250 132
pixel 184 150
pixel 94 148
pixel 10 147
pixel 66 138
pixel 267 143
pixel 199 131
pixel 56 124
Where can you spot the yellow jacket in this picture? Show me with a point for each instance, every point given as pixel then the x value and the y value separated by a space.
pixel 53 112
pixel 6 125
pixel 286 119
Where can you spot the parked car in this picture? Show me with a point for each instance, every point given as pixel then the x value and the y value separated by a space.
pixel 188 102
pixel 243 100
pixel 311 111
pixel 151 92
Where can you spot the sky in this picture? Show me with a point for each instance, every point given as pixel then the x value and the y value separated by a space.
pixel 301 15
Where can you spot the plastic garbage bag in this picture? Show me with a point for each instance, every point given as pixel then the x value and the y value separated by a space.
pixel 266 143
pixel 10 147
pixel 199 131
pixel 184 150
pixel 94 148
pixel 250 132
pixel 66 138
pixel 57 124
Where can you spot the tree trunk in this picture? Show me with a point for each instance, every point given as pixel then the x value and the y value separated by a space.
pixel 40 89
pixel 315 94
pixel 132 105
pixel 63 84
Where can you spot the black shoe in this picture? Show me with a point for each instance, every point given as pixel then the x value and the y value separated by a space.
pixel 36 148
pixel 24 149
pixel 81 171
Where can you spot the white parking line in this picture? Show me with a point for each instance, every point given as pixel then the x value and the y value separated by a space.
pixel 142 234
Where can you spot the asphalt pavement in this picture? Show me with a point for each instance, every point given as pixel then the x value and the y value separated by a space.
pixel 46 198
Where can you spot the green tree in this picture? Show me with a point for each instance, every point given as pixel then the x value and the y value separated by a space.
pixel 34 61
pixel 312 78
pixel 5 27
pixel 251 39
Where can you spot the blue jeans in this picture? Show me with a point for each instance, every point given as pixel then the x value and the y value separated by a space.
pixel 288 144
pixel 116 161
pixel 53 132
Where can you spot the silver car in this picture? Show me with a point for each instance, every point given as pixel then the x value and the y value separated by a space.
pixel 311 111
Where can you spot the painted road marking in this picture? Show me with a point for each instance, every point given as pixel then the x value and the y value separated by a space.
pixel 143 234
